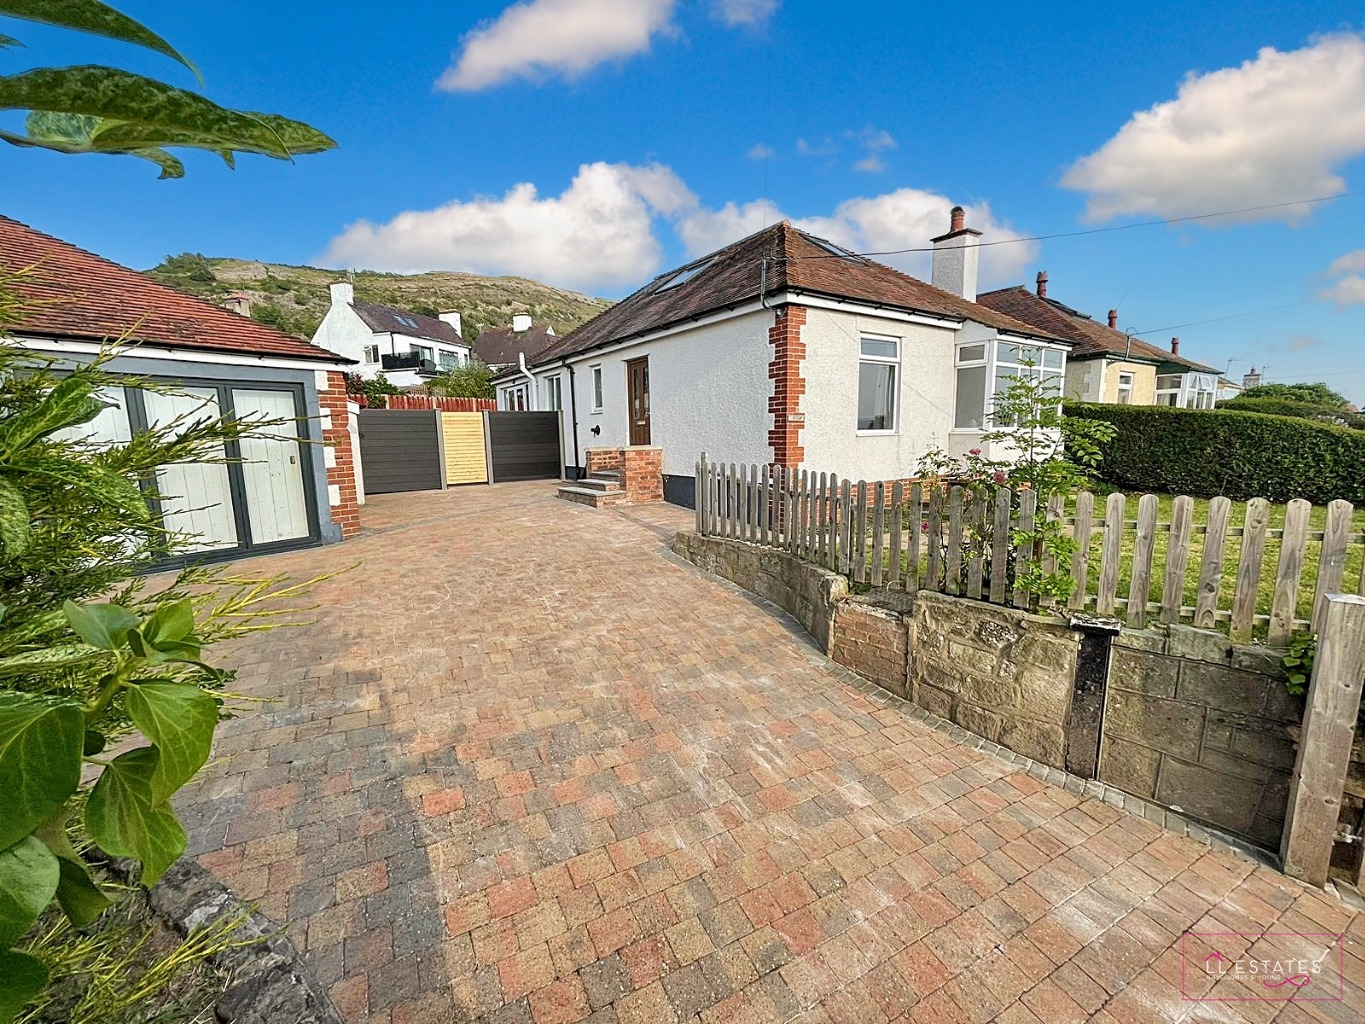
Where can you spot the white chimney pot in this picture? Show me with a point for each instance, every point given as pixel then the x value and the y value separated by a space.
pixel 343 293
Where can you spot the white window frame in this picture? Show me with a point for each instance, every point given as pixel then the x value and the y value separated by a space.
pixel 972 362
pixel 369 353
pixel 423 352
pixel 554 394
pixel 993 363
pixel 895 363
pixel 442 355
pixel 595 382
pixel 1173 397
pixel 1124 392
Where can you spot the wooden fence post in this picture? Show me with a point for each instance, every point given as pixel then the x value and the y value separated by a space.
pixel 1315 790
pixel 698 492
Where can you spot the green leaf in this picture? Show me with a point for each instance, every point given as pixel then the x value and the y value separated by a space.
pixel 93 17
pixel 126 819
pixel 100 625
pixel 40 761
pixel 48 659
pixel 94 742
pixel 69 404
pixel 96 482
pixel 137 113
pixel 14 520
pixel 80 897
pixel 9 42
pixel 22 977
pixel 180 720
pixel 169 624
pixel 28 881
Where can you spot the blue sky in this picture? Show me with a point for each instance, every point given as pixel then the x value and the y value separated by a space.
pixel 594 143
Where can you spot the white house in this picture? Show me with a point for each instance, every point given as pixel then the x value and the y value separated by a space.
pixel 784 348
pixel 406 347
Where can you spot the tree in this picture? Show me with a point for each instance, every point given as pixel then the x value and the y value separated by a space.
pixel 472 380
pixel 1313 394
pixel 97 109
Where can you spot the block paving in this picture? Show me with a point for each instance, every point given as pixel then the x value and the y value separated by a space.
pixel 524 766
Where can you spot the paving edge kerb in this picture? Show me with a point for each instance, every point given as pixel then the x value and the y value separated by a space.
pixel 268 981
pixel 1074 784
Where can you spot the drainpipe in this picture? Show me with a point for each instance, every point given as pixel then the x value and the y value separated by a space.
pixel 533 403
pixel 573 414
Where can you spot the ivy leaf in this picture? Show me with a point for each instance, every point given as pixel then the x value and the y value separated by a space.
pixel 14 520
pixel 80 898
pixel 137 113
pixel 22 977
pixel 169 624
pixel 93 17
pixel 180 720
pixel 126 819
pixel 100 625
pixel 28 881
pixel 40 761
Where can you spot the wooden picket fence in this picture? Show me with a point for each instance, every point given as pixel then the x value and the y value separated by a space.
pixel 974 542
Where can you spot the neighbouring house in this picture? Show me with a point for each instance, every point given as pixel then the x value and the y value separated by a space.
pixel 408 348
pixel 509 348
pixel 785 348
pixel 1105 364
pixel 296 488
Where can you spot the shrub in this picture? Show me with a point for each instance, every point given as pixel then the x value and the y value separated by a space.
pixel 1237 454
pixel 1276 406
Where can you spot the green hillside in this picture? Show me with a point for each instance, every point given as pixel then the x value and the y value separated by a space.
pixel 294 299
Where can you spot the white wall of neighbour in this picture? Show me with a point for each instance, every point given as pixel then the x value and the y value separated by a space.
pixel 344 332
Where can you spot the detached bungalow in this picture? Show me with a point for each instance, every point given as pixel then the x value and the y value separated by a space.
pixel 1105 364
pixel 785 348
pixel 293 489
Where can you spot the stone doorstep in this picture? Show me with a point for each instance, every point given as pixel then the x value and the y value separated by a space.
pixel 269 981
pixel 601 482
pixel 592 498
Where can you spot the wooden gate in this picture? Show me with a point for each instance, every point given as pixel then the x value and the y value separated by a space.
pixel 465 453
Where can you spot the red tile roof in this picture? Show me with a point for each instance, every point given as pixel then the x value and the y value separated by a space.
pixel 75 294
pixel 795 261
pixel 1092 338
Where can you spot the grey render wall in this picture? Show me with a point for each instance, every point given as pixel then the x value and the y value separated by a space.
pixel 1194 723
pixel 248 373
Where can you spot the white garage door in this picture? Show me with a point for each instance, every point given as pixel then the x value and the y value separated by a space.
pixel 196 497
pixel 271 468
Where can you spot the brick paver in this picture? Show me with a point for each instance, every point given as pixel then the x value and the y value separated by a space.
pixel 525 767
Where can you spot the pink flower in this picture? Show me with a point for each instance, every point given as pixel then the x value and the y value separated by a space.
pixel 999 476
pixel 974 451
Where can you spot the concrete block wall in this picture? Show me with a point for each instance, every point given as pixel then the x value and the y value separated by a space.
pixel 1195 723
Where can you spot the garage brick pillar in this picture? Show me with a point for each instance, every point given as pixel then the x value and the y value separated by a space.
pixel 339 453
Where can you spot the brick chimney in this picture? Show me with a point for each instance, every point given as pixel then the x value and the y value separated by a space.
pixel 957 257
pixel 1251 380
pixel 238 302
pixel 1113 319
pixel 1175 346
pixel 1042 284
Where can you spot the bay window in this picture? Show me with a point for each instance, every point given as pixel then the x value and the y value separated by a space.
pixel 985 369
pixel 878 373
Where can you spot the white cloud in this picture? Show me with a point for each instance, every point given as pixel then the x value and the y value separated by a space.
pixel 872 163
pixel 539 38
pixel 743 12
pixel 1349 287
pixel 598 233
pixel 703 230
pixel 820 147
pixel 1270 131
pixel 761 151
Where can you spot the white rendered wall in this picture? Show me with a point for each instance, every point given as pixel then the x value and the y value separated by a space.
pixel 926 392
pixel 344 333
pixel 1084 380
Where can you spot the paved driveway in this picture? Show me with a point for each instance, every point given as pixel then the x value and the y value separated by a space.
pixel 526 767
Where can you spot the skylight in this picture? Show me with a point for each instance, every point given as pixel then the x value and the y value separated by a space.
pixel 684 275
pixel 835 250
pixel 406 321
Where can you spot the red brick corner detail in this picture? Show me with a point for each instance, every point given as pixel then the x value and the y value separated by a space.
pixel 341 490
pixel 789 351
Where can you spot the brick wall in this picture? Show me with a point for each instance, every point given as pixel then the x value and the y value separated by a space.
pixel 871 641
pixel 336 434
pixel 603 459
pixel 641 468
pixel 789 351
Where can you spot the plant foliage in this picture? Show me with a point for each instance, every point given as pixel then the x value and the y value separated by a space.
pixel 1239 455
pixel 97 109
pixel 472 380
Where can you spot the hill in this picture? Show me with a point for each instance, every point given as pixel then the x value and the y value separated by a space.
pixel 294 299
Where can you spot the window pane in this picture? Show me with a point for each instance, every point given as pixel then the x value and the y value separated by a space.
pixel 971 353
pixel 1006 353
pixel 971 398
pixel 1052 358
pixel 881 349
pixel 597 387
pixel 1168 382
pixel 876 396
pixel 1052 383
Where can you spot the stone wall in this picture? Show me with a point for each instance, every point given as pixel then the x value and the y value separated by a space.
pixel 1000 673
pixel 808 592
pixel 1196 724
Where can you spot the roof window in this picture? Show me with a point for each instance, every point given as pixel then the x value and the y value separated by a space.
pixel 684 275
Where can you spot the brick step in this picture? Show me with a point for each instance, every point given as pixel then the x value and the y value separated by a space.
pixel 605 474
pixel 590 497
pixel 601 484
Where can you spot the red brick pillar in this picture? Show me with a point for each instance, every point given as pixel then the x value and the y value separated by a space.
pixel 642 474
pixel 339 458
pixel 789 350
pixel 603 459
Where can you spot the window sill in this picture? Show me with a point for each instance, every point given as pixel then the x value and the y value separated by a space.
pixel 877 433
pixel 594 412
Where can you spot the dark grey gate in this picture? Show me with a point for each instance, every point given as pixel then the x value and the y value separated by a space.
pixel 523 445
pixel 400 450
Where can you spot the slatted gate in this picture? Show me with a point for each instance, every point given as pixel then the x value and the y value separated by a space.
pixel 524 446
pixel 400 450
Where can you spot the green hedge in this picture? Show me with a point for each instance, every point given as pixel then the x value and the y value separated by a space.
pixel 1238 454
pixel 1301 410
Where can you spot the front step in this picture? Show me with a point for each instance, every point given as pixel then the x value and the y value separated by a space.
pixel 601 484
pixel 592 497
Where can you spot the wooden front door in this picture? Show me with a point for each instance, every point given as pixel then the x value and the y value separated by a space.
pixel 637 376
